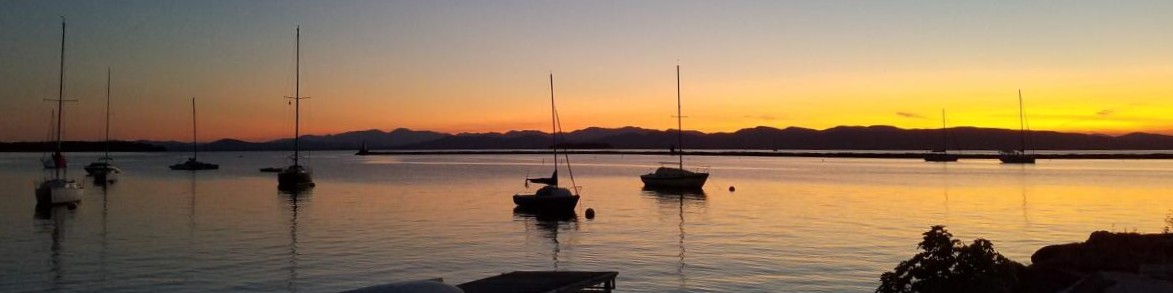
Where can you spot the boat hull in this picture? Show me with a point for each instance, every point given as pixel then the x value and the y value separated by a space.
pixel 547 200
pixel 532 203
pixel 59 191
pixel 675 181
pixel 1021 159
pixel 194 166
pixel 294 177
pixel 103 172
pixel 940 158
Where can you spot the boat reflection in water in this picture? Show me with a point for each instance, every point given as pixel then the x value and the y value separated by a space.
pixel 548 224
pixel 296 198
pixel 677 200
pixel 53 221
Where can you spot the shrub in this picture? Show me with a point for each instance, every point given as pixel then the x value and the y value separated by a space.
pixel 945 265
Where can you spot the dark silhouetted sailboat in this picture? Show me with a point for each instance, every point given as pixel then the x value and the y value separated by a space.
pixel 549 198
pixel 1018 156
pixel 676 178
pixel 296 176
pixel 60 189
pixel 942 154
pixel 103 170
pixel 192 163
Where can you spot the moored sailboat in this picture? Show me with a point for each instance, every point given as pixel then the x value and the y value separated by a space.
pixel 192 163
pixel 296 176
pixel 550 198
pixel 60 189
pixel 104 170
pixel 942 154
pixel 1018 156
pixel 676 178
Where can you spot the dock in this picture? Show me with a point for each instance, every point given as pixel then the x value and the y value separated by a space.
pixel 543 281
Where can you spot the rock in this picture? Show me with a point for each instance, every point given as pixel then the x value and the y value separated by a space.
pixel 1106 262
pixel 1117 282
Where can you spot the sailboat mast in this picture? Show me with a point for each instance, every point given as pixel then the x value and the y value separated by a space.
pixel 553 125
pixel 1021 124
pixel 944 133
pixel 679 123
pixel 297 96
pixel 61 86
pixel 107 112
pixel 194 151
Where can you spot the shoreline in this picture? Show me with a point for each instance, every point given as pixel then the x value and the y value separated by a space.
pixel 804 154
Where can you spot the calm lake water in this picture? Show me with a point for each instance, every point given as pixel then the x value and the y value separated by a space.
pixel 793 224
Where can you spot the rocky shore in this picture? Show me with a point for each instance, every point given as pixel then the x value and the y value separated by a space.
pixel 1106 262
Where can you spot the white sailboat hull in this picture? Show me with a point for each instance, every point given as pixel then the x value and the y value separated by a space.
pixel 59 191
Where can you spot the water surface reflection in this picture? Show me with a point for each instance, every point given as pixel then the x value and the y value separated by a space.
pixel 295 199
pixel 678 199
pixel 547 225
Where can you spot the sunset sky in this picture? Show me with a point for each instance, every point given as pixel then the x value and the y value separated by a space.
pixel 479 66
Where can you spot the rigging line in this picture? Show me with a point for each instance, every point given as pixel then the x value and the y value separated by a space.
pixel 566 154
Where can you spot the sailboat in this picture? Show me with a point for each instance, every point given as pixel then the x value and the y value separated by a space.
pixel 192 164
pixel 102 170
pixel 676 178
pixel 59 189
pixel 942 154
pixel 296 176
pixel 550 198
pixel 1018 156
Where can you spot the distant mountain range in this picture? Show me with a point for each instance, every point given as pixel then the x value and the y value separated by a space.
pixel 837 138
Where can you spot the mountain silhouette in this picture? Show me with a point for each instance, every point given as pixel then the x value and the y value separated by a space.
pixel 878 137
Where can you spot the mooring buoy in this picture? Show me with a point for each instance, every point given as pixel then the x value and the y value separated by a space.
pixel 731 189
pixel 590 213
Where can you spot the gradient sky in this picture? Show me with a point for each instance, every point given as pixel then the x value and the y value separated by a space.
pixel 478 66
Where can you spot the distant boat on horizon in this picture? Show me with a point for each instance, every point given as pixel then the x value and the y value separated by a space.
pixel 668 177
pixel 103 170
pixel 550 198
pixel 1018 156
pixel 296 176
pixel 942 154
pixel 363 150
pixel 60 189
pixel 192 163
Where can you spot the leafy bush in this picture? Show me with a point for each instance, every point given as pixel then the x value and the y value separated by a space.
pixel 946 265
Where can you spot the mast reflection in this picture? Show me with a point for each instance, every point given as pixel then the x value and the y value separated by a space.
pixel 549 225
pixel 296 198
pixel 678 199
pixel 52 220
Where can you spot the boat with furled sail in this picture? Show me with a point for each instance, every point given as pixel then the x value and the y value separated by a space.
pixel 550 198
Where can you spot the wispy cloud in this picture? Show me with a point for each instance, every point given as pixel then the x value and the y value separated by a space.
pixel 910 115
pixel 1105 112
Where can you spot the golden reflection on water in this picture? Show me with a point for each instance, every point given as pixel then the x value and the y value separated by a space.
pixel 793 224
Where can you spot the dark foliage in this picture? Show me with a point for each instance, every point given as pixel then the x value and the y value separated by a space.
pixel 945 265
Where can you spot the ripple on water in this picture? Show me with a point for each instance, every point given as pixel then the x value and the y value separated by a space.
pixel 794 224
